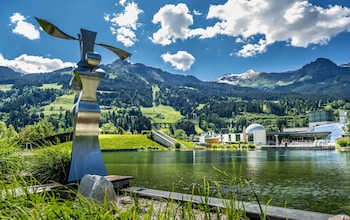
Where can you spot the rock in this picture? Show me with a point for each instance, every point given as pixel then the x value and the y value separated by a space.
pixel 97 188
pixel 340 217
pixel 126 200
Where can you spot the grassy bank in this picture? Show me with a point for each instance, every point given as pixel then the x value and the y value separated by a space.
pixel 127 141
pixel 124 141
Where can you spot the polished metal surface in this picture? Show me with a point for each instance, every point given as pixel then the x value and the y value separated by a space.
pixel 86 153
pixel 56 32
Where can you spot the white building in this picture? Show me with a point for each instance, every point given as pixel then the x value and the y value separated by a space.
pixel 321 130
pixel 256 134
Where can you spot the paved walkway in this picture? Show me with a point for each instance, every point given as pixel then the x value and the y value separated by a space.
pixel 252 209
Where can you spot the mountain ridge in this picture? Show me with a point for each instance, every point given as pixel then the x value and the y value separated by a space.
pixel 321 76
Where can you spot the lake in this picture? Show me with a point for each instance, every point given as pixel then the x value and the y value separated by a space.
pixel 308 180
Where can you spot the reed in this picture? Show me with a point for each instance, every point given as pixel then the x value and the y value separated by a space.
pixel 51 164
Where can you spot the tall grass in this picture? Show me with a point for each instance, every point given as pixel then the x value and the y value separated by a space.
pixel 11 162
pixel 51 164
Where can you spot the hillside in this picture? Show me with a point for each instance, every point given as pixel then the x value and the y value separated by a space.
pixel 130 96
pixel 318 77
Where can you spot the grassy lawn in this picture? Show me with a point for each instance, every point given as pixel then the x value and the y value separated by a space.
pixel 6 87
pixel 162 114
pixel 51 86
pixel 64 103
pixel 123 141
pixel 126 141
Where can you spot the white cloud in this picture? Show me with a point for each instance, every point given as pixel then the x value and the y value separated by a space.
pixel 125 24
pixel 182 60
pixel 21 27
pixel 256 24
pixel 34 64
pixel 122 2
pixel 250 50
pixel 195 12
pixel 299 23
pixel 174 24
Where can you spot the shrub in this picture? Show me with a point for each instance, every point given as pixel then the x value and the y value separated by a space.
pixel 147 133
pixel 51 164
pixel 344 142
pixel 215 146
pixel 177 145
pixel 251 146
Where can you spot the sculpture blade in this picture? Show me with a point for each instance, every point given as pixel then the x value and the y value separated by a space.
pixel 121 53
pixel 53 30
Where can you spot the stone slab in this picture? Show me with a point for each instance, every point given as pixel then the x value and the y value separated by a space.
pixel 252 209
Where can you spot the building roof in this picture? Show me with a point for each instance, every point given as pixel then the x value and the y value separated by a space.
pixel 254 127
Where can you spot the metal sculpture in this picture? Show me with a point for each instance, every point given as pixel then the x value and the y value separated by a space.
pixel 86 153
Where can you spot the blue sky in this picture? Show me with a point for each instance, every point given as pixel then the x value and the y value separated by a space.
pixel 206 38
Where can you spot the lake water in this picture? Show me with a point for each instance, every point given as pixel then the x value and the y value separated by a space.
pixel 309 180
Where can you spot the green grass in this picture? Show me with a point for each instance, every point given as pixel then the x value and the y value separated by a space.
pixel 51 163
pixel 185 143
pixel 121 141
pixel 64 103
pixel 51 86
pixel 162 114
pixel 126 141
pixel 6 87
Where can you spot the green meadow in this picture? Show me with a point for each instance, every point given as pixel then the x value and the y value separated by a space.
pixel 162 114
pixel 62 103
pixel 127 141
pixel 51 86
pixel 5 87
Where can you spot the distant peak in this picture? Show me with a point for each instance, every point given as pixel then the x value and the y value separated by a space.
pixel 234 79
pixel 248 73
pixel 345 65
pixel 323 61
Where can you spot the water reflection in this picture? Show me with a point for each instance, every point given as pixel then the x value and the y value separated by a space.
pixel 309 180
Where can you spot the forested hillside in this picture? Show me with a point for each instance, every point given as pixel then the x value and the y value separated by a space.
pixel 128 88
pixel 321 76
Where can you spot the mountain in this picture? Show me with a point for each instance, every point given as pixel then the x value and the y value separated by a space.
pixel 149 74
pixel 130 81
pixel 319 77
pixel 127 87
pixel 8 74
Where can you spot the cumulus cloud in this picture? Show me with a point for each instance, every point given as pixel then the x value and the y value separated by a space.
pixel 21 27
pixel 174 24
pixel 182 60
pixel 34 64
pixel 249 50
pixel 125 24
pixel 256 24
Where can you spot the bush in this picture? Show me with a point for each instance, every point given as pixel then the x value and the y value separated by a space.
pixel 344 142
pixel 51 164
pixel 147 133
pixel 251 146
pixel 177 145
pixel 215 146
